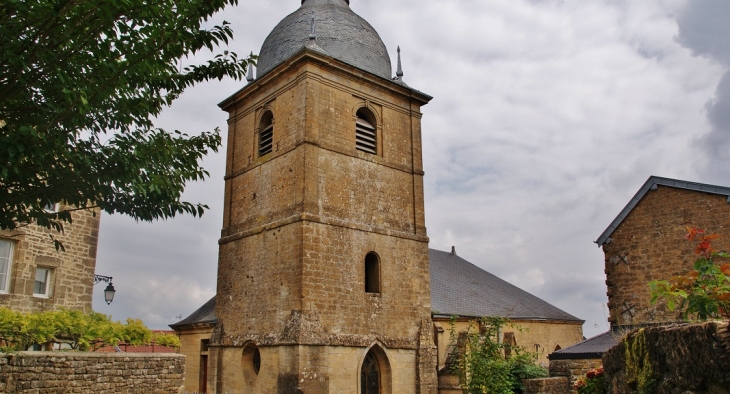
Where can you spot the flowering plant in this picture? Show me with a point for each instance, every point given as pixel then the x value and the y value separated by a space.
pixel 593 382
pixel 703 291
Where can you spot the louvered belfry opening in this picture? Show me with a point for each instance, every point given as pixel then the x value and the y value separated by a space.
pixel 266 134
pixel 365 132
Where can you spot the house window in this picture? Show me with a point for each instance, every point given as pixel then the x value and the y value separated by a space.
pixel 51 207
pixel 42 282
pixel 6 257
pixel 266 134
pixel 372 273
pixel 510 343
pixel 365 132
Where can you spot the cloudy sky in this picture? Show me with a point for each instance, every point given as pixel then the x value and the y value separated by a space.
pixel 548 115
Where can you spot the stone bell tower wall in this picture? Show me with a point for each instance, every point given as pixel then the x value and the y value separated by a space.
pixel 315 106
pixel 299 222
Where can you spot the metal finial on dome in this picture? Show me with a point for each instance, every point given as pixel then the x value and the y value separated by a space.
pixel 399 73
pixel 249 77
pixel 312 33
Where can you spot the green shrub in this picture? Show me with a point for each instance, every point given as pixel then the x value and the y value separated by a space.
pixel 78 330
pixel 480 361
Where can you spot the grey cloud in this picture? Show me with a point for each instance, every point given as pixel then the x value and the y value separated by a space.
pixel 704 27
pixel 718 112
pixel 547 117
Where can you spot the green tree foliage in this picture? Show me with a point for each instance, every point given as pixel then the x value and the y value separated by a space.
pixel 80 84
pixel 704 292
pixel 165 339
pixel 78 330
pixel 480 361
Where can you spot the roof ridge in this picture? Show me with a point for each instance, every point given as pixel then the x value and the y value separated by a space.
pixel 652 184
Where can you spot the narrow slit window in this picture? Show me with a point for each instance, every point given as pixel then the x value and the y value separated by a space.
pixel 365 132
pixel 372 273
pixel 266 134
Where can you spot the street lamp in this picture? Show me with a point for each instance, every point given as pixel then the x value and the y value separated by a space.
pixel 109 291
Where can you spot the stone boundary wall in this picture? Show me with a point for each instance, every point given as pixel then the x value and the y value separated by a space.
pixel 81 372
pixel 668 360
pixel 557 385
pixel 573 369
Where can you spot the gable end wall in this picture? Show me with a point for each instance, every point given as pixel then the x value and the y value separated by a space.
pixel 649 244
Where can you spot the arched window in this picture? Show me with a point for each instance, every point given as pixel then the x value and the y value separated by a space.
pixel 266 134
pixel 372 273
pixel 370 375
pixel 365 132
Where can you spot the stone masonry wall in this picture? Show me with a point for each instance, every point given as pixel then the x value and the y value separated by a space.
pixel 572 369
pixel 649 244
pixel 299 223
pixel 529 334
pixel 669 360
pixel 191 345
pixel 58 372
pixel 556 385
pixel 72 270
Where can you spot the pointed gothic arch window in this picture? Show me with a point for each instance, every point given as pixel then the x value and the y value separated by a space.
pixel 372 273
pixel 375 372
pixel 266 133
pixel 365 131
pixel 370 375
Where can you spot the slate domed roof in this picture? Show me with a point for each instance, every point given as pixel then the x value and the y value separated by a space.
pixel 340 33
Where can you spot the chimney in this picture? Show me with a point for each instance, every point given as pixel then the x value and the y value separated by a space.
pixel 453 250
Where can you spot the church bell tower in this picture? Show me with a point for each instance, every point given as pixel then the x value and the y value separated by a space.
pixel 323 273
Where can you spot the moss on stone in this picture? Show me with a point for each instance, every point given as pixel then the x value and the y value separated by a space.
pixel 639 372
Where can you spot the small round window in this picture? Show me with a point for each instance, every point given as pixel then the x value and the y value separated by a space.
pixel 251 361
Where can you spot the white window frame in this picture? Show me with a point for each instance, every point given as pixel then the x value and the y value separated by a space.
pixel 49 276
pixel 9 258
pixel 52 208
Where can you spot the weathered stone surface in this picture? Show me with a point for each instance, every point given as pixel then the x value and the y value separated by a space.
pixel 299 223
pixel 91 373
pixel 672 360
pixel 554 385
pixel 72 278
pixel 649 244
pixel 573 369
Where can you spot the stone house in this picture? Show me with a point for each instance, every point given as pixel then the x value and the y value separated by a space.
pixel 646 242
pixel 458 289
pixel 324 271
pixel 34 276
